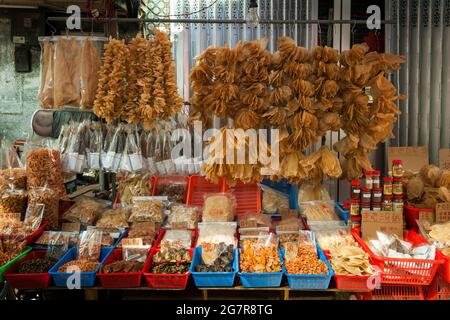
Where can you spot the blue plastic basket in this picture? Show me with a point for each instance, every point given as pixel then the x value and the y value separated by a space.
pixel 87 278
pixel 341 212
pixel 311 281
pixel 287 188
pixel 261 279
pixel 213 279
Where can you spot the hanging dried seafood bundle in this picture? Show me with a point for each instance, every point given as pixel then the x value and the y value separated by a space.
pixel 112 84
pixel 90 64
pixel 140 76
pixel 321 164
pixel 366 127
pixel 174 102
pixel 233 157
pixel 254 83
pixel 137 81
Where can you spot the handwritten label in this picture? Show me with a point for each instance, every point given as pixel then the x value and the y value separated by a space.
pixel 129 242
pixel 444 159
pixel 414 158
pixel 426 216
pixel 388 222
pixel 443 212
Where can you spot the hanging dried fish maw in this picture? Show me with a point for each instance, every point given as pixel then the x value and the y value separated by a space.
pixel 330 164
pixel 46 90
pixel 90 64
pixel 246 119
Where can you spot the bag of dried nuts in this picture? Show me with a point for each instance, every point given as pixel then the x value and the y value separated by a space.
pixel 43 168
pixel 50 200
pixel 13 201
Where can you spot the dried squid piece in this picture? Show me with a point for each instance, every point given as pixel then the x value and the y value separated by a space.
pixel 303 87
pixel 289 50
pixel 46 90
pixel 225 91
pixel 290 166
pixel 280 96
pixel 298 70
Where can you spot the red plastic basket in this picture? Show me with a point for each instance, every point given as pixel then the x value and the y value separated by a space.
pixel 248 197
pixel 412 214
pixel 164 281
pixel 156 181
pixel 199 186
pixel 119 279
pixel 404 271
pixel 29 280
pixel 439 289
pixel 394 293
pixel 352 283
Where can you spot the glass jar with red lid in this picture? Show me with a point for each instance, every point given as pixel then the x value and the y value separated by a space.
pixel 397 168
pixel 355 190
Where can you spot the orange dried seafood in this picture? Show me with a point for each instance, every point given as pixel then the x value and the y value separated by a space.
pixel 255 257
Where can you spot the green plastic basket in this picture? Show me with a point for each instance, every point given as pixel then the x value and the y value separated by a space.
pixel 5 267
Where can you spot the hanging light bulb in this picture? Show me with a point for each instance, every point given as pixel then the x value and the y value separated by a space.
pixel 252 15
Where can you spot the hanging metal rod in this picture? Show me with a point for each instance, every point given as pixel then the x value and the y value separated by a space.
pixel 219 21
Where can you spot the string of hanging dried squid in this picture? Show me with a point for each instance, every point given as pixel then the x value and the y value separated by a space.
pixel 304 94
pixel 137 81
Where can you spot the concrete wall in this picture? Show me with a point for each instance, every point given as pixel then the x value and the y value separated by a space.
pixel 18 91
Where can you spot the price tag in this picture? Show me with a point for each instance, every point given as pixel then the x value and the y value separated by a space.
pixel 94 160
pixel 426 216
pixel 130 242
pixel 443 212
pixel 10 216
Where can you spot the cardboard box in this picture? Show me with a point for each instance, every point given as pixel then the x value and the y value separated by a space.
pixel 388 222
pixel 414 158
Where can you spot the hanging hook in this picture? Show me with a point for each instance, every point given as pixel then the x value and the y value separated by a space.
pixel 53 31
pixel 353 33
pixel 319 31
pixel 377 34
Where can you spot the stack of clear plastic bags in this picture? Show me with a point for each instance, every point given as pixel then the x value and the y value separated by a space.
pixel 177 239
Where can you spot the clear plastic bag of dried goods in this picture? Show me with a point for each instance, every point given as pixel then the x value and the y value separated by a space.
pixel 13 201
pixel 174 188
pixel 219 207
pixel 148 209
pixel 151 144
pixel 76 158
pixel 143 230
pixel 305 244
pixel 177 239
pixel 273 201
pixel 43 166
pixel 212 252
pixel 50 200
pixel 309 192
pixel 34 216
pixel 183 217
pixel 12 171
pixel 259 254
pixel 46 89
pixel 57 245
pixel 85 211
pixel 94 149
pixel 105 158
pixel 136 253
pixel 113 153
pixel 169 165
pixel 131 157
pixel 142 134
pixel 66 72
pixel 217 232
pixel 158 154
pixel 90 245
pixel 114 218
pixel 65 135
